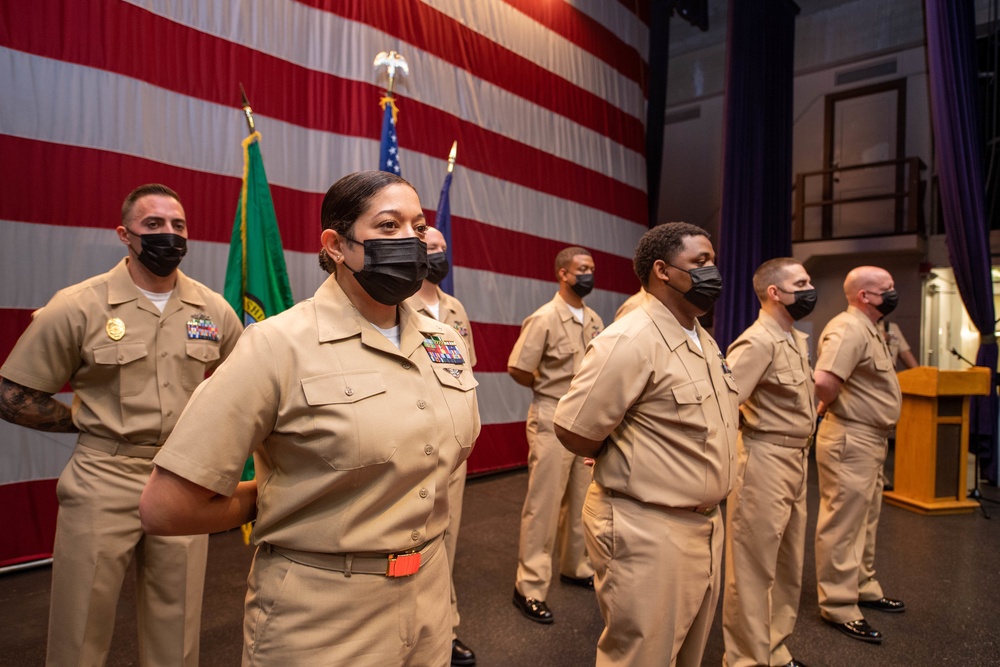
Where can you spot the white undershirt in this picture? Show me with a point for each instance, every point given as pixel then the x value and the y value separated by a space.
pixel 391 333
pixel 577 313
pixel 693 335
pixel 435 310
pixel 159 299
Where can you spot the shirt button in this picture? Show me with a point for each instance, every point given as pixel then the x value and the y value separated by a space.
pixel 428 450
pixel 415 535
pixel 170 412
pixel 121 357
pixel 423 493
pixel 349 391
pixel 407 365
pixel 421 404
pixel 163 354
pixel 166 383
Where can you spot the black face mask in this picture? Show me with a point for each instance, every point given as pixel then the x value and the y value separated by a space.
pixel 805 301
pixel 437 267
pixel 889 302
pixel 706 286
pixel 584 284
pixel 161 253
pixel 393 270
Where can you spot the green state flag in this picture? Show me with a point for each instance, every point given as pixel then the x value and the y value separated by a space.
pixel 256 276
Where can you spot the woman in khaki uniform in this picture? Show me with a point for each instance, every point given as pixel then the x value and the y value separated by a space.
pixel 357 410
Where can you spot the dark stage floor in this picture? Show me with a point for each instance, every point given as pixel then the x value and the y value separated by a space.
pixel 947 569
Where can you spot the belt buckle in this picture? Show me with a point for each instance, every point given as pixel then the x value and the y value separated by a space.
pixel 707 511
pixel 403 565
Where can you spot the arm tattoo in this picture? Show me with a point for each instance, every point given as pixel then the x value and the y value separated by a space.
pixel 33 408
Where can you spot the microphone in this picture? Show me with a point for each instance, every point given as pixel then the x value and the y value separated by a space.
pixel 955 352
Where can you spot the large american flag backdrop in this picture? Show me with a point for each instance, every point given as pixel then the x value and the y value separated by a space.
pixel 545 97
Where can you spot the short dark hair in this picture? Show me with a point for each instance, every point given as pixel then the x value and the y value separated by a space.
pixel 662 242
pixel 771 272
pixel 145 191
pixel 347 199
pixel 566 255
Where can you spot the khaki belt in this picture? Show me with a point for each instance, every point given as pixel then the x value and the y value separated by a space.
pixel 402 564
pixel 850 423
pixel 774 438
pixel 117 447
pixel 704 510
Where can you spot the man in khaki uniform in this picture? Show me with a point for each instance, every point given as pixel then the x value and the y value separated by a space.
pixel 436 304
pixel 133 344
pixel 860 399
pixel 655 403
pixel 899 349
pixel 545 357
pixel 765 540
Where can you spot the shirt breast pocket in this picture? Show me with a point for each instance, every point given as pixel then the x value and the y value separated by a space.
pixel 790 377
pixel 883 364
pixel 352 418
pixel 689 404
pixel 122 362
pixel 200 354
pixel 457 386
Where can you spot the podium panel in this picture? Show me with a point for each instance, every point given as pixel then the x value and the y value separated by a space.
pixel 932 439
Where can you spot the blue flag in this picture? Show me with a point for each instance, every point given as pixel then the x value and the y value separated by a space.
pixel 443 224
pixel 389 151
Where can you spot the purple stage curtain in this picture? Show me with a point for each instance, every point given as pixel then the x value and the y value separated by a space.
pixel 951 35
pixel 756 217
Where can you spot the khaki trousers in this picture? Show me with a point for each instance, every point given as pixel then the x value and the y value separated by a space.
pixel 765 548
pixel 300 615
pixel 849 459
pixel 456 492
pixel 658 579
pixel 557 485
pixel 97 534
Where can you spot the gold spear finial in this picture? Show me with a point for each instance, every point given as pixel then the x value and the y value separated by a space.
pixel 392 61
pixel 452 155
pixel 246 109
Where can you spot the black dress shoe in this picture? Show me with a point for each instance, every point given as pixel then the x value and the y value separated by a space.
pixel 859 629
pixel 884 604
pixel 534 609
pixel 582 582
pixel 461 654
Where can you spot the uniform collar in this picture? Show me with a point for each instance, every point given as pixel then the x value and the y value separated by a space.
pixel 772 327
pixel 565 314
pixel 337 319
pixel 856 312
pixel 121 289
pixel 668 326
pixel 444 303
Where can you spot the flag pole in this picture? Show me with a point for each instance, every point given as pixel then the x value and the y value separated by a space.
pixel 452 155
pixel 246 109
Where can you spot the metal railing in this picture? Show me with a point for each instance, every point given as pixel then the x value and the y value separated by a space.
pixel 890 201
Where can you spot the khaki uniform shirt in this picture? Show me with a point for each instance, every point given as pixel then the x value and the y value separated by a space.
pixel 630 304
pixel 132 389
pixel 851 348
pixel 451 312
pixel 666 410
pixel 775 381
pixel 893 339
pixel 353 439
pixel 552 344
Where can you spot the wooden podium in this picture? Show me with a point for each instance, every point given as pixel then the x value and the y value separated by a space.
pixel 932 439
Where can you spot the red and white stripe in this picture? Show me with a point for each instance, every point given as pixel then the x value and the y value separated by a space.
pixel 546 100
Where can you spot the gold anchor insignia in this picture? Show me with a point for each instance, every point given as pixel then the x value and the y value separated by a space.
pixel 115 328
